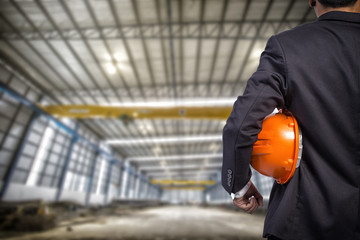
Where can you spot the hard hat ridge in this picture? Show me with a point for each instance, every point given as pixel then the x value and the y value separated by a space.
pixel 277 152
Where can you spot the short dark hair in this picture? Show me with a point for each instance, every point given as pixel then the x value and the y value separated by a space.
pixel 337 3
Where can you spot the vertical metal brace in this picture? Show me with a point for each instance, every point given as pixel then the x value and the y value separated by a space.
pixel 129 181
pixel 147 190
pixel 160 192
pixel 15 159
pixel 142 187
pixel 108 180
pixel 121 169
pixel 137 184
pixel 66 165
pixel 91 180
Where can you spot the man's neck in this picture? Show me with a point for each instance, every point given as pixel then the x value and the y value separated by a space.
pixel 353 9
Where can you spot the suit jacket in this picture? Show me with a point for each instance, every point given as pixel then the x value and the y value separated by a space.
pixel 312 70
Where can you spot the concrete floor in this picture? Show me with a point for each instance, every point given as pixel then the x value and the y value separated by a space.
pixel 160 223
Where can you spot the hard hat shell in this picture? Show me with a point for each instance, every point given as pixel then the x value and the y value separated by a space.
pixel 277 152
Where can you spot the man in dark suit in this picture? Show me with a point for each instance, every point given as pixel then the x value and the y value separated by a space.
pixel 313 71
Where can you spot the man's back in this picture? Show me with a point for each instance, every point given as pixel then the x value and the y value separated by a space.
pixel 322 72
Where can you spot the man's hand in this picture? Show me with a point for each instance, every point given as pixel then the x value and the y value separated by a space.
pixel 250 201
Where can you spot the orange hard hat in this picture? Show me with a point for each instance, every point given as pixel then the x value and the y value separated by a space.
pixel 277 152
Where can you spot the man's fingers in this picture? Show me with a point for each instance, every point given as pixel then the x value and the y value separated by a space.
pixel 246 205
pixel 250 201
pixel 254 205
pixel 259 199
pixel 253 192
pixel 241 202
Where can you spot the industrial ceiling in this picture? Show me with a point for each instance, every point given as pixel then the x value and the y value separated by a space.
pixel 147 55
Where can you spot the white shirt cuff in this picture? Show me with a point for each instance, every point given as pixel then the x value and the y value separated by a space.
pixel 242 192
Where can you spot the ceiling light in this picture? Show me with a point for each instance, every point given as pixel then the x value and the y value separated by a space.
pixel 214 147
pixel 163 164
pixel 257 53
pixel 157 150
pixel 119 57
pixel 107 57
pixel 110 68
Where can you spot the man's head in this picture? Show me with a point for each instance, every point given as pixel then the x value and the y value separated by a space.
pixel 337 3
pixel 324 6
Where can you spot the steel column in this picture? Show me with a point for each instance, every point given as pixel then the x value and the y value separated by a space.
pixel 121 173
pixel 137 184
pixel 146 190
pixel 129 182
pixel 108 181
pixel 91 180
pixel 66 165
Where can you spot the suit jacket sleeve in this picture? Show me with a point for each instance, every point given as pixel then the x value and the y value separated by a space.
pixel 265 90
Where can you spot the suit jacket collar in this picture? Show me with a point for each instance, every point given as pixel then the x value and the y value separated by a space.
pixel 340 16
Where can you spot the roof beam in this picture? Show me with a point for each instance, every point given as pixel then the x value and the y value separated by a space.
pixel 163 49
pixel 258 35
pixel 199 48
pixel 144 45
pixel 252 44
pixel 216 49
pixel 31 45
pixel 86 42
pixel 68 45
pixel 181 50
pixel 181 30
pixel 124 39
pixel 187 89
pixel 234 47
pixel 171 49
pixel 50 18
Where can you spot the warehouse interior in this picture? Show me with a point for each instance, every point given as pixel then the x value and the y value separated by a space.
pixel 112 114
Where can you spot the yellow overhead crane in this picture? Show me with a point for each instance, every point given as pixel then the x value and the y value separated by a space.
pixel 182 182
pixel 169 184
pixel 184 188
pixel 128 113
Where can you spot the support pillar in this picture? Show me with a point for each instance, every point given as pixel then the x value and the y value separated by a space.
pixel 137 185
pixel 121 169
pixel 66 165
pixel 129 182
pixel 91 180
pixel 147 190
pixel 108 181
